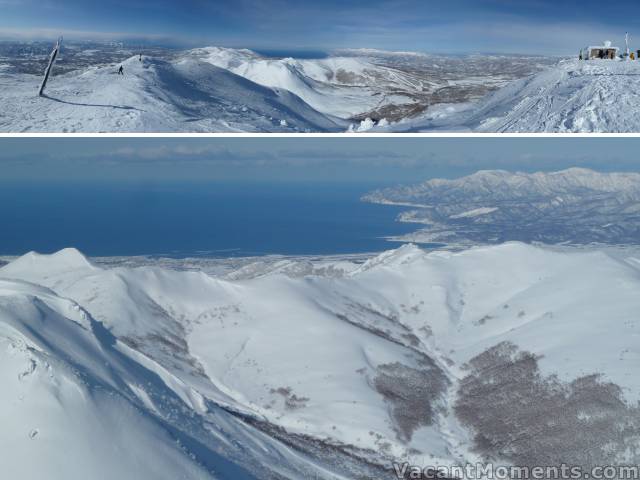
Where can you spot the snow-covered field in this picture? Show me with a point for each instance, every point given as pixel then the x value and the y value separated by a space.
pixel 513 352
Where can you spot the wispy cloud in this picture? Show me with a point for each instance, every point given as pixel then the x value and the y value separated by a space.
pixel 190 153
pixel 529 26
pixel 82 35
pixel 306 158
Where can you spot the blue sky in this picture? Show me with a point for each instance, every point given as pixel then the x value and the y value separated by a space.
pixel 451 26
pixel 365 160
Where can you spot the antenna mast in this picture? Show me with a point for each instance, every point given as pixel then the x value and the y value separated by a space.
pixel 626 41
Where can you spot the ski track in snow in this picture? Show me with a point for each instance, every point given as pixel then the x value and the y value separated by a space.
pixel 575 96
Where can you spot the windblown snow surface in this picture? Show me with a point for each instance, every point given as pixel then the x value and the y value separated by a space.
pixel 575 96
pixel 517 353
pixel 154 95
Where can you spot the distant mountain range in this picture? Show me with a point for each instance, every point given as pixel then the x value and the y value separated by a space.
pixel 575 206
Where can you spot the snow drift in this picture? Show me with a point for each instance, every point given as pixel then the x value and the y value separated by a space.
pixel 511 352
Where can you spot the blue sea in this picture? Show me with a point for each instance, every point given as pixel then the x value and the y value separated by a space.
pixel 194 219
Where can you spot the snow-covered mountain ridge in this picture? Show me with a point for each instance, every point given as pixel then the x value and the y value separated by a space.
pixel 319 376
pixel 577 206
pixel 155 95
pixel 341 86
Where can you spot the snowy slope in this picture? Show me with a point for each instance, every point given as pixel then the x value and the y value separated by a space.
pixel 77 403
pixel 389 362
pixel 574 96
pixel 154 96
pixel 342 86
pixel 67 400
pixel 594 96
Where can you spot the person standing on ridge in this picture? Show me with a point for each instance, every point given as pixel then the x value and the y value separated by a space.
pixel 121 70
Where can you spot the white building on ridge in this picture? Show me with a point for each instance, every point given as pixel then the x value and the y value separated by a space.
pixel 604 51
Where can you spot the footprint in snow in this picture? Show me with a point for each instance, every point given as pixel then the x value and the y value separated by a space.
pixel 30 369
pixel 33 433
